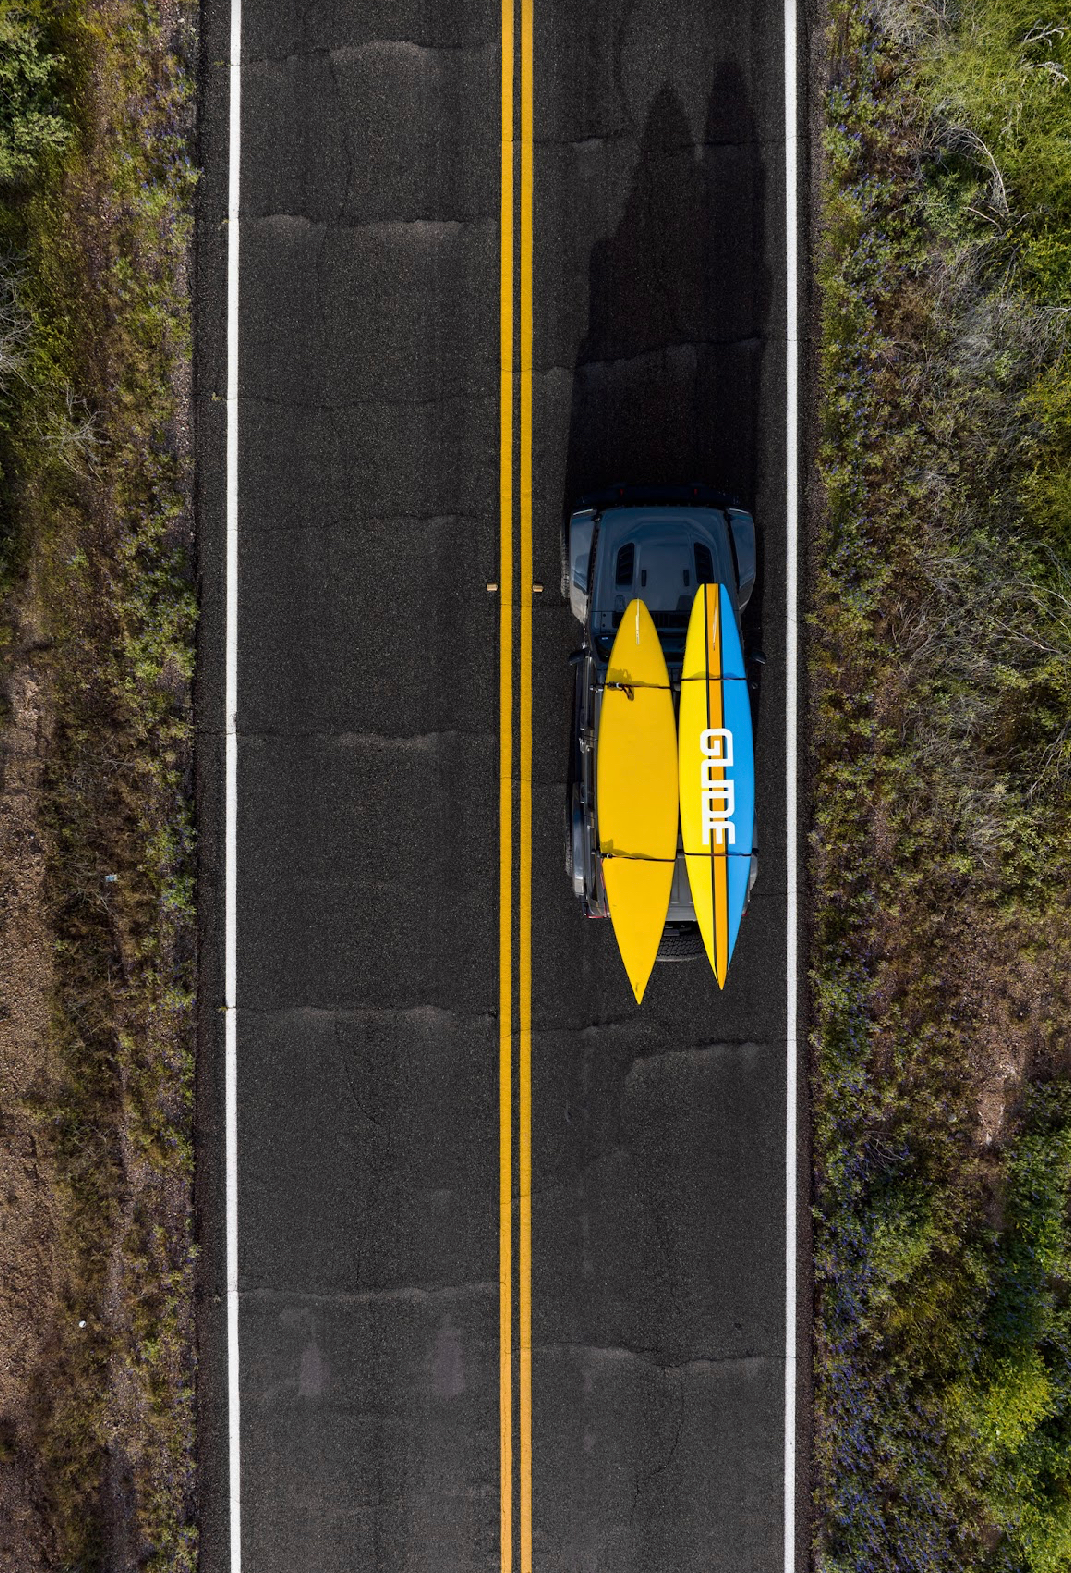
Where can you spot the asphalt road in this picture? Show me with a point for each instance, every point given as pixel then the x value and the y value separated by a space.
pixel 368 796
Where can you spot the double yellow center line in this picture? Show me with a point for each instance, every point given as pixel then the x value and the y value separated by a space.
pixel 508 263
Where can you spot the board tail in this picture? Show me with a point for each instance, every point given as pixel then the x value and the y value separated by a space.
pixel 636 792
pixel 638 892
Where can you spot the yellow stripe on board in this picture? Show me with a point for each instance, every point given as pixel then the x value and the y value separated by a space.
pixel 524 1128
pixel 719 865
pixel 505 809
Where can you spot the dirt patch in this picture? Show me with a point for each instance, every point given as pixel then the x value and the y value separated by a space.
pixel 33 1269
pixel 1016 1010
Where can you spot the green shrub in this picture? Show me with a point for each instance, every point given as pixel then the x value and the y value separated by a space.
pixel 34 122
pixel 997 86
pixel 1019 1401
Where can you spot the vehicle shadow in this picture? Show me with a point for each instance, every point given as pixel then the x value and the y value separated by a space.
pixel 667 381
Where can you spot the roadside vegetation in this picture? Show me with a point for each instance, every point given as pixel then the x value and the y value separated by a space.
pixel 98 609
pixel 941 844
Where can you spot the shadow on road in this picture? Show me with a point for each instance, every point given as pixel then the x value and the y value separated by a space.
pixel 666 384
pixel 667 381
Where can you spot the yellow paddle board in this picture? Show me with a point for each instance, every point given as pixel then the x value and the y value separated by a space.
pixel 717 773
pixel 636 792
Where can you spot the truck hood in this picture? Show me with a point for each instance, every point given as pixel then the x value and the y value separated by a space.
pixel 663 568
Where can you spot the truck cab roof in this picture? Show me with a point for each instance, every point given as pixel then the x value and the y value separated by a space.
pixel 659 555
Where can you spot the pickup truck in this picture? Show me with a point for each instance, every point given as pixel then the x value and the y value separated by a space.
pixel 657 545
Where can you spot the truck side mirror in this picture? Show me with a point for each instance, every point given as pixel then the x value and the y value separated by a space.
pixel 742 526
pixel 581 534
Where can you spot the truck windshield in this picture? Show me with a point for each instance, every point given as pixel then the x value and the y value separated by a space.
pixel 672 631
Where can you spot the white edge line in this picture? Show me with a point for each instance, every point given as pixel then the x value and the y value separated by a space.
pixel 231 806
pixel 791 680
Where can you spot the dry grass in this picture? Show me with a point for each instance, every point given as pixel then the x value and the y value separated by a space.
pixel 97 1453
pixel 941 852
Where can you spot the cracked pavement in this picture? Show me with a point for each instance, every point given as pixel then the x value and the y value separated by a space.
pixel 368 873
